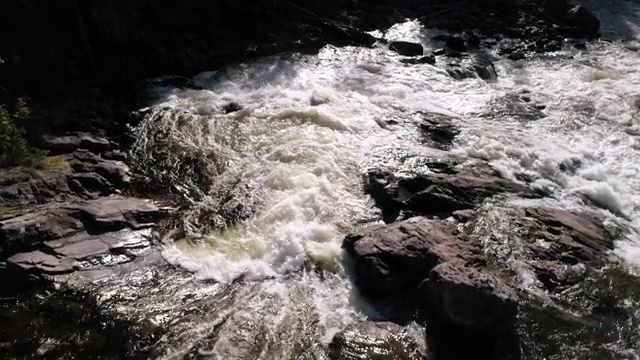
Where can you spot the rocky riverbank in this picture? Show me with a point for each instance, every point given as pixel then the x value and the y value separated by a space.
pixel 83 209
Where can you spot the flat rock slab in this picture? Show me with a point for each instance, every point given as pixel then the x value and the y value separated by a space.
pixel 376 340
pixel 54 238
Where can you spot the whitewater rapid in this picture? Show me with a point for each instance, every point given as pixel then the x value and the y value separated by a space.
pixel 311 126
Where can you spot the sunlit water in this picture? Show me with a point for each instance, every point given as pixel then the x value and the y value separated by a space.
pixel 311 126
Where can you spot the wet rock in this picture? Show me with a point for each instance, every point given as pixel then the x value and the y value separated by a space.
pixel 438 193
pixel 231 107
pixel 392 260
pixel 469 299
pixel 581 18
pixel 406 48
pixel 439 129
pixel 56 237
pixel 484 68
pixel 429 59
pixel 458 72
pixel 453 42
pixel 470 67
pixel 567 237
pixel 375 340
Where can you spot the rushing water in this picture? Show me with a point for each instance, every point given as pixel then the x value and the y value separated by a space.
pixel 287 170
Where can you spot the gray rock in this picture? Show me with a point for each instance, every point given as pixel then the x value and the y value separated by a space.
pixel 391 260
pixel 376 341
pixel 470 299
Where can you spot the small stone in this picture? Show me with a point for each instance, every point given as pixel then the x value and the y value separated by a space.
pixel 440 51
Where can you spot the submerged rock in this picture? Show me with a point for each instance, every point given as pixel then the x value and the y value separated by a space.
pixel 470 299
pixel 406 48
pixel 439 129
pixel 375 340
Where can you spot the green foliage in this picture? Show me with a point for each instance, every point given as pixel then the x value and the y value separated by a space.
pixel 14 149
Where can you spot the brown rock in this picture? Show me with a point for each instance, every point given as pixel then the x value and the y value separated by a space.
pixel 470 299
pixel 565 236
pixel 393 259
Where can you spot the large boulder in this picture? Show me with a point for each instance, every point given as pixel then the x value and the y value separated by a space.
pixel 376 340
pixel 469 299
pixel 392 260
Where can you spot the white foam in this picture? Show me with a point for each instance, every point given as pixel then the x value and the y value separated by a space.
pixel 312 124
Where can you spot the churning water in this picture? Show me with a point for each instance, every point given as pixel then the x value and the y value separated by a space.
pixel 287 170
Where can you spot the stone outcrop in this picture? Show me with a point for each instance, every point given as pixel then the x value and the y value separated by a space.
pixel 375 340
pixel 58 238
pixel 444 190
pixel 470 299
pixel 394 259
pixel 430 261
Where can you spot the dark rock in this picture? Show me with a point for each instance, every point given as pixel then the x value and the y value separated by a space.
pixel 430 59
pixel 484 68
pixel 89 185
pixel 516 56
pixel 580 46
pixel 231 107
pixel 392 260
pixel 459 73
pixel 453 42
pixel 406 48
pixel 375 340
pixel 444 193
pixel 581 18
pixel 555 8
pixel 469 299
pixel 439 129
pixel 473 40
